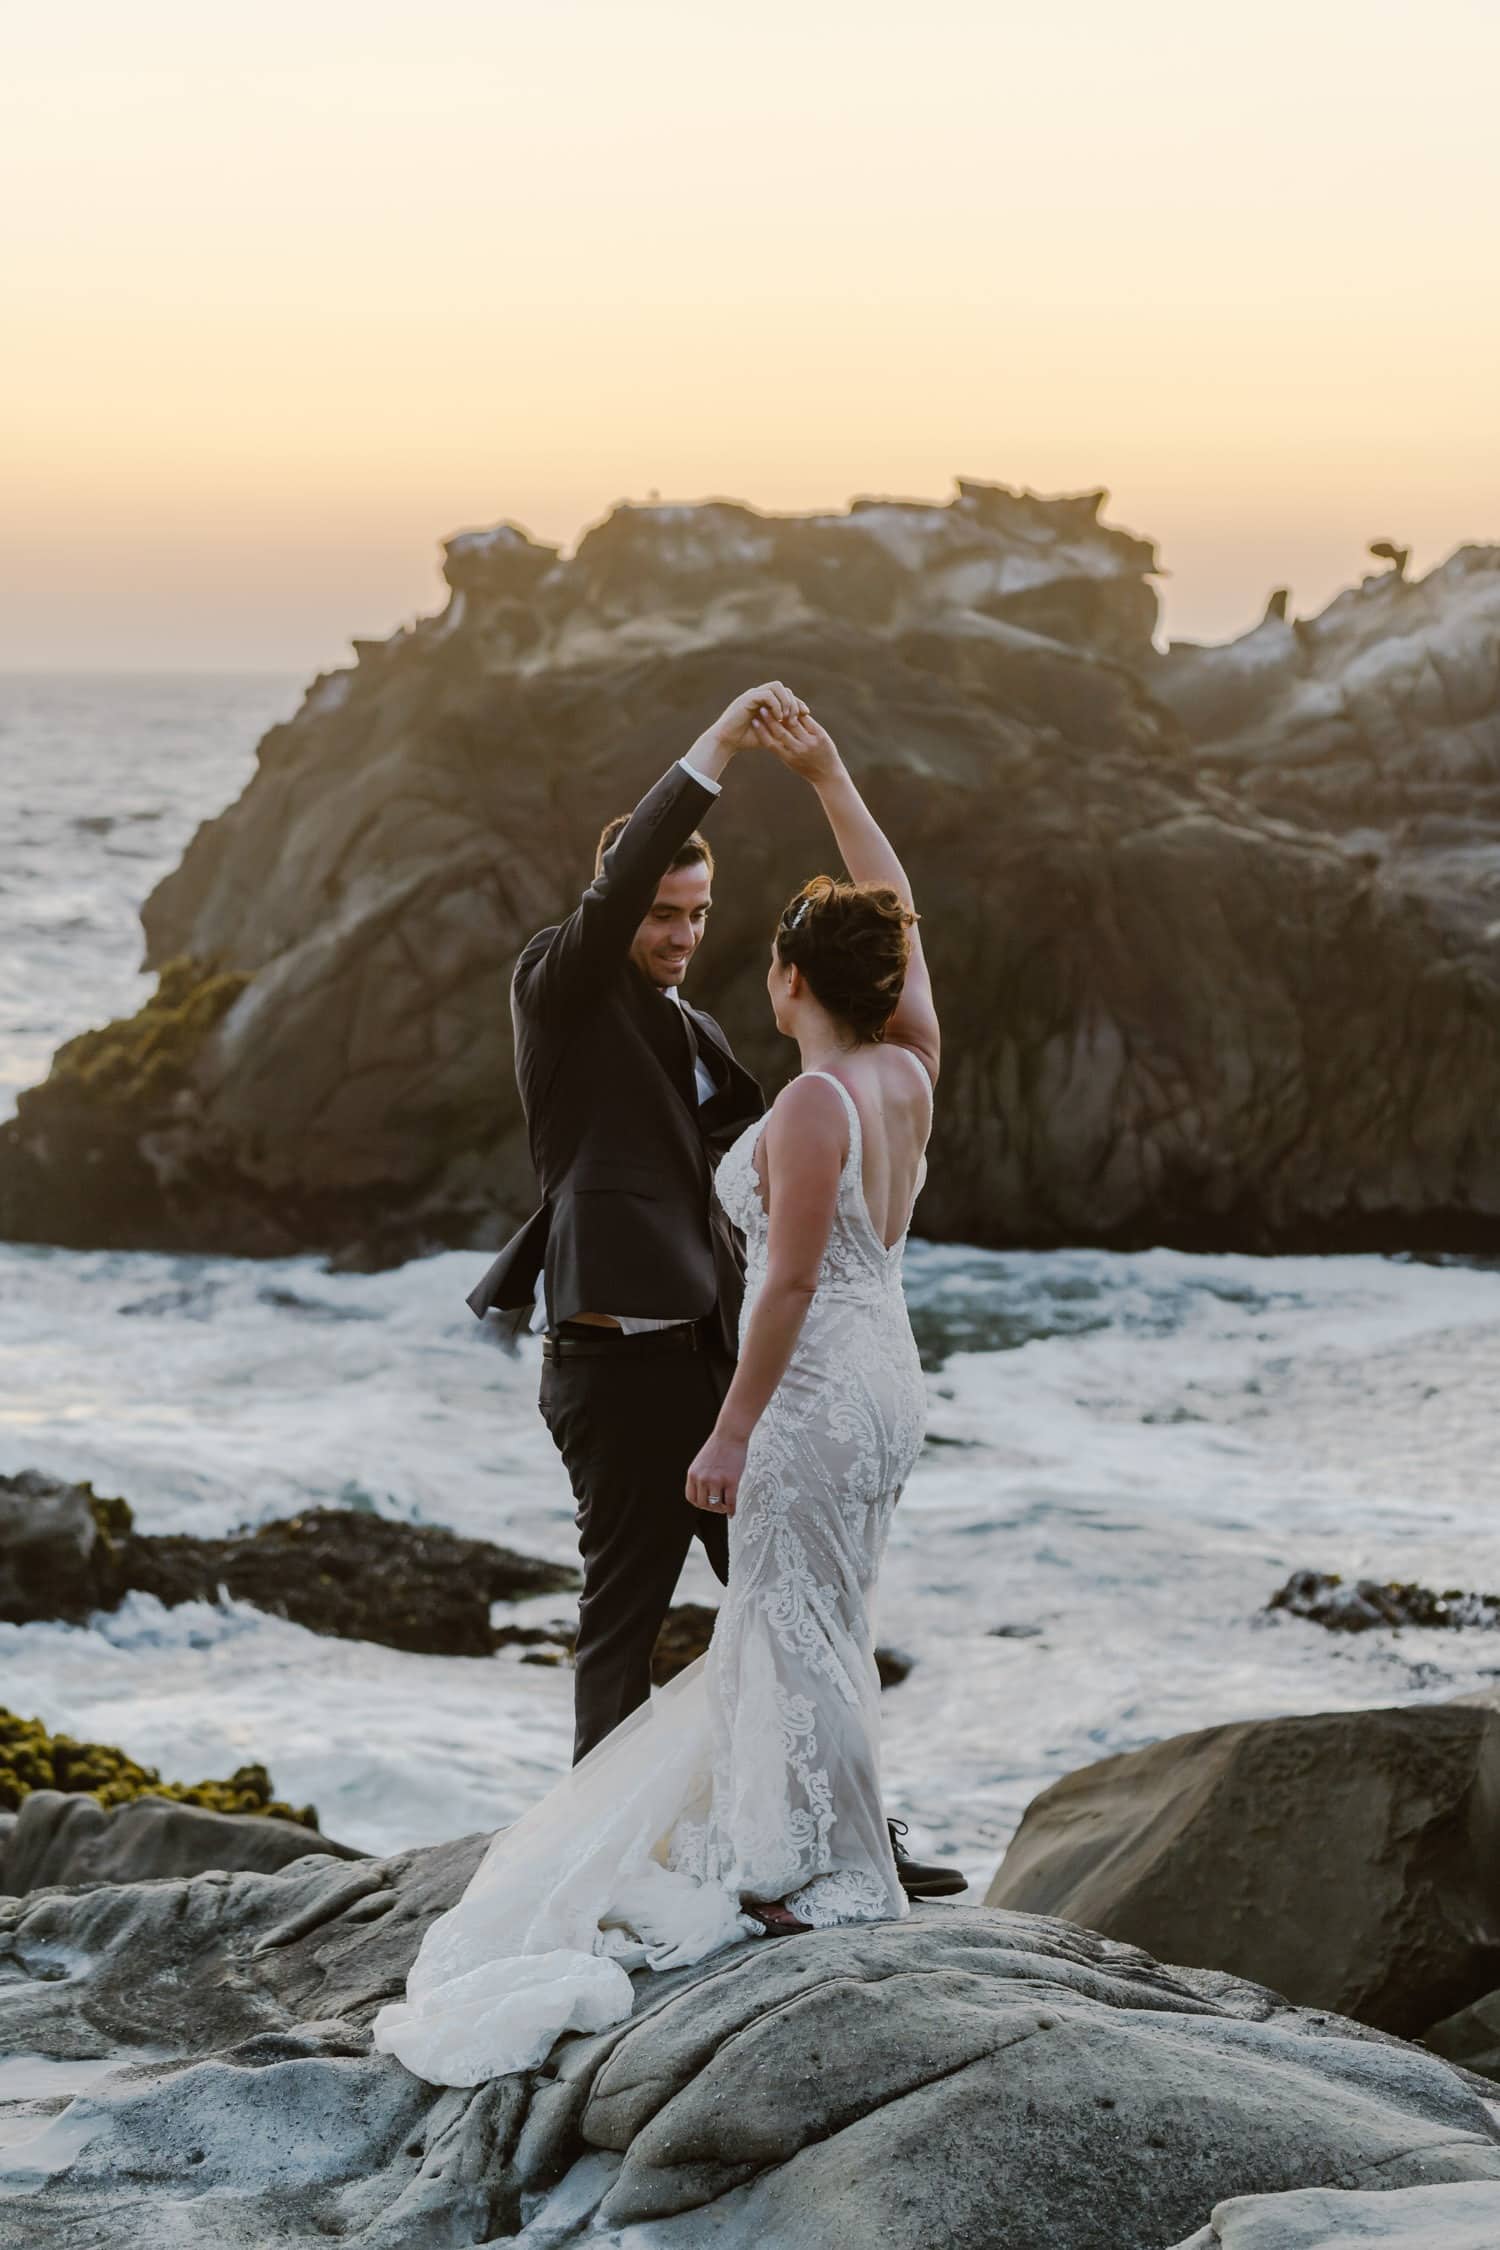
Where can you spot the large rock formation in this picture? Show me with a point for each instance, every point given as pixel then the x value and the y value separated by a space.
pixel 1212 932
pixel 1349 1858
pixel 192 2064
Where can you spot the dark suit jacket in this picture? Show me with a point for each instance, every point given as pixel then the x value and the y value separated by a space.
pixel 623 1150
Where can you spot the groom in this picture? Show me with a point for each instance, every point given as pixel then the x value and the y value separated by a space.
pixel 635 1272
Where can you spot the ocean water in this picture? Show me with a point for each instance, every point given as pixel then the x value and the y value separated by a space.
pixel 103 778
pixel 1127 1454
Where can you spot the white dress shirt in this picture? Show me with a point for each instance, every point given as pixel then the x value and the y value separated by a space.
pixel 638 1324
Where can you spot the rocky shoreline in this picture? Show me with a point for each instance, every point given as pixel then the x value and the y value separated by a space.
pixel 65 1552
pixel 200 2059
pixel 1235 1988
pixel 1213 929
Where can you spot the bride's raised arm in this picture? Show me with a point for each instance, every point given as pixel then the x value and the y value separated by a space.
pixel 806 748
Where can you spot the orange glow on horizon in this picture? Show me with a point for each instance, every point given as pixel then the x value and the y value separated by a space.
pixel 281 319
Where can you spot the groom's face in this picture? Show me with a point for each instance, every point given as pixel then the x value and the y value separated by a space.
pixel 675 921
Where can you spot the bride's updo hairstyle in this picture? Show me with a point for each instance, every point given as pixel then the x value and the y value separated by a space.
pixel 851 942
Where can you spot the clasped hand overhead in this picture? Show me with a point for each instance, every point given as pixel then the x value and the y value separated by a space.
pixel 771 717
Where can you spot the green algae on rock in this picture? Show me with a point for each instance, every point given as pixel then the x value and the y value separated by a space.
pixel 32 1757
pixel 140 1060
pixel 118 1117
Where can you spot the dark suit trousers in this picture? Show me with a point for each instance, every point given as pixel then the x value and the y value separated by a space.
pixel 627 1421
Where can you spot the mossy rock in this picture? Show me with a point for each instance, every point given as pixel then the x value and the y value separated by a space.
pixel 138 1062
pixel 115 1517
pixel 32 1758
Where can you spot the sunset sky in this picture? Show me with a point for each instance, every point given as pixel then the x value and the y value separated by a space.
pixel 292 292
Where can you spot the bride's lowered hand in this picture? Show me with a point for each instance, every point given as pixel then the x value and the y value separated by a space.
pixel 713 1478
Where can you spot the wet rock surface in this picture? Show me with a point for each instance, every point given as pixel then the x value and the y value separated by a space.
pixel 362 1577
pixel 55 1553
pixel 1355 1606
pixel 65 1552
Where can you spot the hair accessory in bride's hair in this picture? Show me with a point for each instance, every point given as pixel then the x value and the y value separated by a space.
pixel 850 941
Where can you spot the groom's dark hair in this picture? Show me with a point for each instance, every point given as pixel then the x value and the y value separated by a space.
pixel 686 855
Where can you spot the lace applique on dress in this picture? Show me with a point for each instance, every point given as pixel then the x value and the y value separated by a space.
pixel 794 1697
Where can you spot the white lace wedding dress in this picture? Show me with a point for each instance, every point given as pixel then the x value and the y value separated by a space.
pixel 756 1772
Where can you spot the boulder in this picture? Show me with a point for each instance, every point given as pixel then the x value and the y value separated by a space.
pixel 55 1560
pixel 1191 995
pixel 1350 1859
pixel 201 2070
pixel 1471 2037
pixel 1464 2215
pixel 73 1839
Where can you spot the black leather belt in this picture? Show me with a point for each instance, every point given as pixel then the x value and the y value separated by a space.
pixel 584 1341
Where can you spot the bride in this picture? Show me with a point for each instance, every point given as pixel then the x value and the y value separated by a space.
pixel 744 1798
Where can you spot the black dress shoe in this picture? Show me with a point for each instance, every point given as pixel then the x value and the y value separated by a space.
pixel 920 1880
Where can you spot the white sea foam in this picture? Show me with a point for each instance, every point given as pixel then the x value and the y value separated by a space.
pixel 1129 1455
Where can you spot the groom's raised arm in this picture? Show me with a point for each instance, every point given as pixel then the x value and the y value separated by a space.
pixel 596 936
